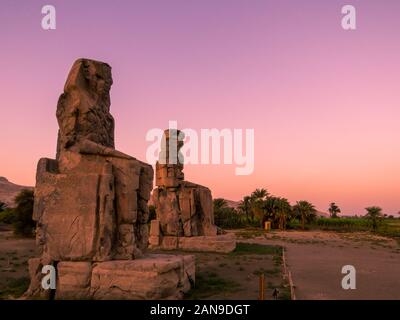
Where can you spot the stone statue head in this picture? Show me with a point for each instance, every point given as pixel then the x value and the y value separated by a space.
pixel 171 144
pixel 91 76
pixel 83 110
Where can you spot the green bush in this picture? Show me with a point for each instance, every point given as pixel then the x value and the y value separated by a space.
pixel 23 223
pixel 228 218
pixel 14 288
pixel 342 224
pixel 7 216
pixel 390 228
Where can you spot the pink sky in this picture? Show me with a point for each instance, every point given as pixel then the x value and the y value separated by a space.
pixel 324 102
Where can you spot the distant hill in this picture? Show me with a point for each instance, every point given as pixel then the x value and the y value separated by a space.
pixel 322 214
pixel 9 190
pixel 232 204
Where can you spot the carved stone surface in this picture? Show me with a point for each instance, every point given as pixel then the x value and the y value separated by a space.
pixel 221 243
pixel 153 277
pixel 91 201
pixel 74 280
pixel 184 209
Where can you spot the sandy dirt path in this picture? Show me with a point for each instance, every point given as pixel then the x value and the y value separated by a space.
pixel 316 259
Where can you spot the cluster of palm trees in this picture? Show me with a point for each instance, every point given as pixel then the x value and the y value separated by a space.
pixel 374 214
pixel 263 206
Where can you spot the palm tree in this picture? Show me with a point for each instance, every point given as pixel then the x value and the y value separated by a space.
pixel 259 194
pixel 283 211
pixel 334 210
pixel 220 203
pixel 245 206
pixel 305 211
pixel 374 214
pixel 270 207
pixel 276 210
pixel 257 199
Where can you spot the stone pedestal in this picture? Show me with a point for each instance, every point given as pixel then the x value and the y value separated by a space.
pixel 223 243
pixel 154 276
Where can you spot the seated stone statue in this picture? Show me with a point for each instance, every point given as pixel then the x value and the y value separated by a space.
pixel 183 208
pixel 83 111
pixel 91 206
pixel 91 202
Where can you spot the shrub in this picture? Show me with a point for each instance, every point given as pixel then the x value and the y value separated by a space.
pixel 228 218
pixel 342 224
pixel 23 223
pixel 7 216
pixel 295 224
pixel 374 214
pixel 14 288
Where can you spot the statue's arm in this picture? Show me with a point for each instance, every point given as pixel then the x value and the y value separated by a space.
pixel 86 146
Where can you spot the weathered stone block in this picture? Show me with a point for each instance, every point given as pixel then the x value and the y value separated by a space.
pixel 151 277
pixel 69 220
pixel 155 228
pixel 185 211
pixel 221 243
pixel 35 273
pixel 154 241
pixel 169 242
pixel 189 270
pixel 74 280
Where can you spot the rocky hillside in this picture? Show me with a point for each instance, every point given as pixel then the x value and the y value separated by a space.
pixel 232 204
pixel 9 190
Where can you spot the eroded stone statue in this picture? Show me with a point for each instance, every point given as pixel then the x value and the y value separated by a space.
pixel 185 215
pixel 91 201
pixel 184 208
pixel 98 193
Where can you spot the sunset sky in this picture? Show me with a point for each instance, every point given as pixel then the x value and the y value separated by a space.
pixel 324 103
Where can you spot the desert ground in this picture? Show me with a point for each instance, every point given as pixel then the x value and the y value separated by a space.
pixel 14 255
pixel 218 276
pixel 314 258
pixel 235 276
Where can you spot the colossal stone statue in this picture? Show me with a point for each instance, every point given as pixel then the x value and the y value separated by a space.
pixel 183 208
pixel 75 194
pixel 185 215
pixel 91 201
